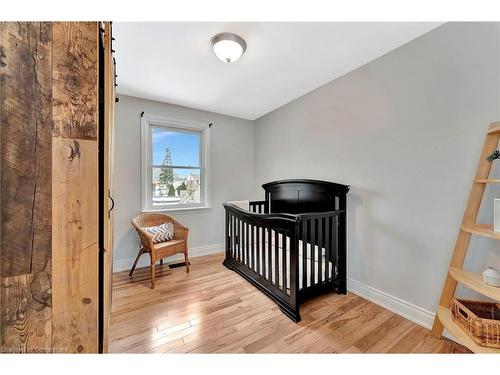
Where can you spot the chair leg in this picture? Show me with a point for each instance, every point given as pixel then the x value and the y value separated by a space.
pixel 187 261
pixel 152 272
pixel 141 251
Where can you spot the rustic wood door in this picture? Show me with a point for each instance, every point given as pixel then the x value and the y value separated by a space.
pixel 108 177
pixel 49 255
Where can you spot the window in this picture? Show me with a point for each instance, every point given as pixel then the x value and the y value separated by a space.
pixel 174 164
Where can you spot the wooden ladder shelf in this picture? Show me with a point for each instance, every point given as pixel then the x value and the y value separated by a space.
pixel 468 228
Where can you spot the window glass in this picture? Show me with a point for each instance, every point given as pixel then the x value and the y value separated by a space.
pixel 176 170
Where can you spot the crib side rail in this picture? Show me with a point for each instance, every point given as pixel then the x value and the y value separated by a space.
pixel 318 249
pixel 263 248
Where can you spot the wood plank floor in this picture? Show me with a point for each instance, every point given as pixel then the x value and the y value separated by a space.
pixel 213 310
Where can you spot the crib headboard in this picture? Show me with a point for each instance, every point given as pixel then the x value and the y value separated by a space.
pixel 302 196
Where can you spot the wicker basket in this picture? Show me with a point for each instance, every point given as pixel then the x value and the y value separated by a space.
pixel 481 320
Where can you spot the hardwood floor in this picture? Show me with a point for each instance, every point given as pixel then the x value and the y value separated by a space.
pixel 213 310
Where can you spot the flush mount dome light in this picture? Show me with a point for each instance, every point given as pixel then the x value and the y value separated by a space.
pixel 228 47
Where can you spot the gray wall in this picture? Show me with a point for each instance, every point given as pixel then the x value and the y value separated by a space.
pixel 405 131
pixel 231 163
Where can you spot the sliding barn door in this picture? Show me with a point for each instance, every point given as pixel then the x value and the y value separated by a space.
pixel 108 179
pixel 49 187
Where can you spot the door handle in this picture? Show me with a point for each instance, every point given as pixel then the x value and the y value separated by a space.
pixel 112 204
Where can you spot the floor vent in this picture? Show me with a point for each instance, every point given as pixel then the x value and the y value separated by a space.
pixel 177 265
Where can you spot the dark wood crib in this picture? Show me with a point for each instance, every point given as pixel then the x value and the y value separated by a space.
pixel 292 245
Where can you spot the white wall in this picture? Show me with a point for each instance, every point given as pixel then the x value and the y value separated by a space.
pixel 231 164
pixel 405 131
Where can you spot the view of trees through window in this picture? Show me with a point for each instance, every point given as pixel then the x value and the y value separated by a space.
pixel 176 172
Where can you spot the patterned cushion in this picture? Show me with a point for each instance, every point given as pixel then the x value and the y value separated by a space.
pixel 162 232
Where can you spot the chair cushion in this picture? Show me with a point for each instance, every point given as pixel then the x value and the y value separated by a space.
pixel 161 233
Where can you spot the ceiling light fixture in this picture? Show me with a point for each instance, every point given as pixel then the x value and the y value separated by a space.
pixel 228 47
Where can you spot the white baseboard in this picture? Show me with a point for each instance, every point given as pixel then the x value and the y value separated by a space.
pixel 407 310
pixel 144 261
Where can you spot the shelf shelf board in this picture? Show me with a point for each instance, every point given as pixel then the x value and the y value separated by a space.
pixel 474 281
pixel 485 230
pixel 487 181
pixel 444 315
pixel 494 128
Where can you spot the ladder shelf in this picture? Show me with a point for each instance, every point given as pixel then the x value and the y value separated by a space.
pixel 456 274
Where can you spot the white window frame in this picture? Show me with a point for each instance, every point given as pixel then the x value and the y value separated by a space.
pixel 148 122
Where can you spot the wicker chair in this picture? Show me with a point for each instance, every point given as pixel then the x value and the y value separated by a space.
pixel 160 250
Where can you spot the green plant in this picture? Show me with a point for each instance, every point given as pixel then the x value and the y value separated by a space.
pixel 494 155
pixel 166 176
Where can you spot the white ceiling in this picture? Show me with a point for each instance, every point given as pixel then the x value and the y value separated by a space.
pixel 173 61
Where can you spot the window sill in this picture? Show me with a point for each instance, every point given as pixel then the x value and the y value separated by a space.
pixel 179 210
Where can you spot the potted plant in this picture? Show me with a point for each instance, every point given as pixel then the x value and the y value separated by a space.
pixel 494 155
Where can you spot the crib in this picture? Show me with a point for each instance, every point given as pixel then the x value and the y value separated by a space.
pixel 292 245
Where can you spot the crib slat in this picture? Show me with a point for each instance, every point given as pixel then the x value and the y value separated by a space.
pixel 283 261
pixel 263 252
pixel 245 245
pixel 255 244
pixel 241 242
pixel 249 247
pixel 335 255
pixel 247 260
pixel 233 235
pixel 313 247
pixel 226 234
pixel 320 249
pixel 238 230
pixel 236 238
pixel 304 253
pixel 276 259
pixel 262 249
pixel 257 251
pixel 269 257
pixel 255 241
pixel 252 246
pixel 328 226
